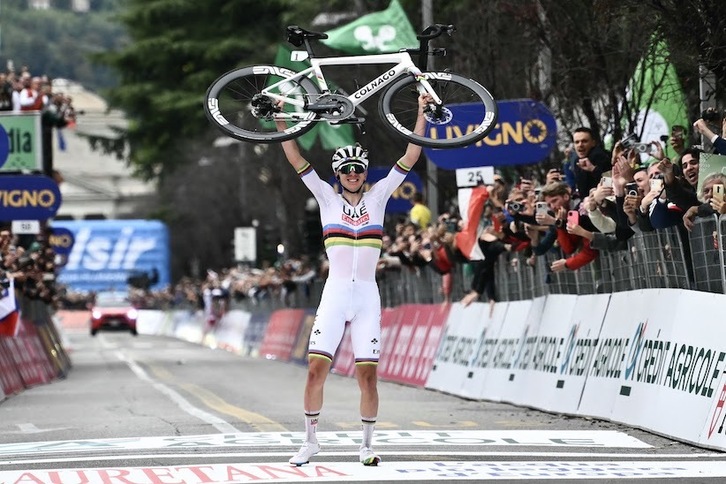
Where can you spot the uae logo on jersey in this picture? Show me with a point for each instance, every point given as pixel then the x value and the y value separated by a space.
pixel 355 215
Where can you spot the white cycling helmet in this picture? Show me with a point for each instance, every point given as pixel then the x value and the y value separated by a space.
pixel 351 154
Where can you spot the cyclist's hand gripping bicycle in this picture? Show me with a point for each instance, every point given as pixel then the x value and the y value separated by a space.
pixel 245 102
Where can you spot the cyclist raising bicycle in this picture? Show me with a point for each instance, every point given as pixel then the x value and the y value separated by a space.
pixel 352 232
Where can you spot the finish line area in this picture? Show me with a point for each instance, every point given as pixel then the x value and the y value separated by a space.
pixel 416 455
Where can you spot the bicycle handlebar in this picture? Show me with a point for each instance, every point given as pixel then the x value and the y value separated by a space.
pixel 433 31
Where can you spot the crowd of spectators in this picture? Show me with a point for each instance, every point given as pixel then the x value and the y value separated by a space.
pixel 596 200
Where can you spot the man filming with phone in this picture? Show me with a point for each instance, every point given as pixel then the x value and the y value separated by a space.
pixel 571 227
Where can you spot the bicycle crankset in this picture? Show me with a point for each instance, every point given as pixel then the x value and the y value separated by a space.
pixel 332 107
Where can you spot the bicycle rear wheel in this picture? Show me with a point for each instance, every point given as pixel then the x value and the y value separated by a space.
pixel 467 115
pixel 236 105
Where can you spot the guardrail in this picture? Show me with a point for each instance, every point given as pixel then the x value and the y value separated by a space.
pixel 666 258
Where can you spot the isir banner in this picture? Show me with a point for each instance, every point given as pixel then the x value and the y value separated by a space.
pixel 28 197
pixel 525 133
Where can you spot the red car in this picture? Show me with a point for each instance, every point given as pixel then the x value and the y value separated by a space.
pixel 113 311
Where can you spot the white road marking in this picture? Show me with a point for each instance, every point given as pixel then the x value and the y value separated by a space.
pixel 385 438
pixel 354 456
pixel 30 428
pixel 394 471
pixel 183 403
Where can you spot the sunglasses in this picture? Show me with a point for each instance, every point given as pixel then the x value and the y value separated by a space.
pixel 352 167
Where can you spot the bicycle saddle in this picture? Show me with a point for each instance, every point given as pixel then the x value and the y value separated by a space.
pixel 296 35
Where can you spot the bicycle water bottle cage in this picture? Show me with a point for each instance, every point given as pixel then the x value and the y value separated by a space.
pixel 297 35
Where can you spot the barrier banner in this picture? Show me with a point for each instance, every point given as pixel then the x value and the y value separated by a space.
pixel 255 333
pixel 673 360
pixel 59 362
pixel 426 335
pixel 493 319
pixel 281 334
pixel 626 312
pixel 28 360
pixel 459 345
pixel 403 365
pixel 299 353
pixel 10 379
pixel 390 325
pixel 230 329
pixel 565 347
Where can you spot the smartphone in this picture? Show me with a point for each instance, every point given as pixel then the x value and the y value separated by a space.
pixel 607 181
pixel 573 217
pixel 541 208
pixel 631 189
pixel 717 192
pixel 656 184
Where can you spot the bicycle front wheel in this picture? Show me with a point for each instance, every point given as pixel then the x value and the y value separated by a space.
pixel 467 115
pixel 238 105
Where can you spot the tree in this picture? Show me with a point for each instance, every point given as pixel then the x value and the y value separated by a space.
pixel 164 72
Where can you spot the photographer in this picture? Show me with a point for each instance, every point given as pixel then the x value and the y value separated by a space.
pixel 57 113
pixel 711 116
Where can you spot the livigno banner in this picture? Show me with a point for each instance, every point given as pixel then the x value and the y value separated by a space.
pixel 24 144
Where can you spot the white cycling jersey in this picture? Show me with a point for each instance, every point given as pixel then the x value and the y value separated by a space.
pixel 353 234
pixel 353 238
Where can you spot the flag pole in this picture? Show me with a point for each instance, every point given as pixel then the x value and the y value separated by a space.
pixel 432 176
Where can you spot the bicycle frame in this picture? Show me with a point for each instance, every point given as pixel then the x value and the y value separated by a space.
pixel 402 61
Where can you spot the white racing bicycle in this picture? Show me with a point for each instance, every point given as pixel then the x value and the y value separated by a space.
pixel 245 102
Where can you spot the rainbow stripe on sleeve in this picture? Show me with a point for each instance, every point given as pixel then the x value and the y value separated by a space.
pixel 402 168
pixel 304 170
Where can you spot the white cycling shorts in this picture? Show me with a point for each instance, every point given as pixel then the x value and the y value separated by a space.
pixel 357 302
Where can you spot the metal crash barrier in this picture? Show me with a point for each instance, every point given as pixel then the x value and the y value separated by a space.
pixel 666 258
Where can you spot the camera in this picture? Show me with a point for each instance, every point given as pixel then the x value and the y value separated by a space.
pixel 631 189
pixel 515 207
pixel 712 116
pixel 631 142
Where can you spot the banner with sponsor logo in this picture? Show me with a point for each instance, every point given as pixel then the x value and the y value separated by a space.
pixel 105 253
pixel 23 149
pixel 28 197
pixel 502 363
pixel 525 133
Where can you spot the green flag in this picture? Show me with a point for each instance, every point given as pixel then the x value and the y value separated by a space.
pixel 655 94
pixel 331 136
pixel 380 32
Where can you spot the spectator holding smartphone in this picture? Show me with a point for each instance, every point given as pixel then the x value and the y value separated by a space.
pixel 569 234
pixel 712 195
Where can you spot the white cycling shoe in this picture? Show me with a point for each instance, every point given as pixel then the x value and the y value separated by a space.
pixel 303 456
pixel 368 457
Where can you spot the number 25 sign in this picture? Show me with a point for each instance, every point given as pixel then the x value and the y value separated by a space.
pixel 471 177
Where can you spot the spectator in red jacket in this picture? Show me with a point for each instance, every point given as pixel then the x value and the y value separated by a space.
pixel 575 247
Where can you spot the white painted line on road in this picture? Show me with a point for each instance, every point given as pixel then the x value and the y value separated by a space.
pixel 405 438
pixel 394 471
pixel 354 456
pixel 183 403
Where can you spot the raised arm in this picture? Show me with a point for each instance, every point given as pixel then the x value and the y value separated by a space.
pixel 413 152
pixel 292 151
